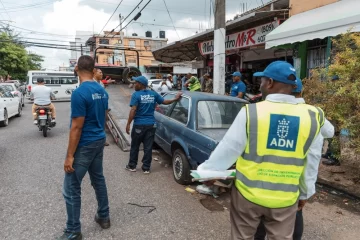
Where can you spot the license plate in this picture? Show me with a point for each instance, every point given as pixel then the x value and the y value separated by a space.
pixel 42 117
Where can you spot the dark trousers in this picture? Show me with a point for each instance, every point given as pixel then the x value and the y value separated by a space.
pixel 298 230
pixel 142 134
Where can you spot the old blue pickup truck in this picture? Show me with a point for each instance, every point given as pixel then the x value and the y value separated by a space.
pixel 190 129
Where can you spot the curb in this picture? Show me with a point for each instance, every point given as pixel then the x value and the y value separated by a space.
pixel 339 187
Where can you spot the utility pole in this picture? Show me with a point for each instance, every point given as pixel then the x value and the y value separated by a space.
pixel 81 47
pixel 122 40
pixel 219 47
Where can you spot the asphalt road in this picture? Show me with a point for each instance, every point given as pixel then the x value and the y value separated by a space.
pixel 32 206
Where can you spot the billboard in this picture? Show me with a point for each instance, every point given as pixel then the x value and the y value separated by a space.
pixel 250 37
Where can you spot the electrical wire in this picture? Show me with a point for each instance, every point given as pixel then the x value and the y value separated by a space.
pixel 124 19
pixel 142 23
pixel 7 13
pixel 133 18
pixel 111 15
pixel 171 19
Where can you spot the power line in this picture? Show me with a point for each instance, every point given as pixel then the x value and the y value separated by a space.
pixel 153 24
pixel 5 9
pixel 111 16
pixel 133 18
pixel 124 19
pixel 171 19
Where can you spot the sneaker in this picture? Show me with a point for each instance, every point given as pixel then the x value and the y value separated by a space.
pixel 104 223
pixel 35 122
pixel 53 120
pixel 130 169
pixel 146 171
pixel 106 144
pixel 331 162
pixel 70 236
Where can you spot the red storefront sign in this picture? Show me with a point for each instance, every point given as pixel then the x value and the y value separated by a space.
pixel 251 37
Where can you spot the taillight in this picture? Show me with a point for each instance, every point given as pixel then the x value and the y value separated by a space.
pixel 42 112
pixel 29 88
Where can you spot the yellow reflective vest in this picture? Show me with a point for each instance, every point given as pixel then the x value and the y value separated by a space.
pixel 195 85
pixel 279 137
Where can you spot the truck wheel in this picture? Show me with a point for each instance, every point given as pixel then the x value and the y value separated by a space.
pixel 129 73
pixel 181 167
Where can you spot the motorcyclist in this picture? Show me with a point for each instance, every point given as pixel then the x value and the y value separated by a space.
pixel 42 96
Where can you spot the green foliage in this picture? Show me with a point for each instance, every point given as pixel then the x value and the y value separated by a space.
pixel 14 59
pixel 340 99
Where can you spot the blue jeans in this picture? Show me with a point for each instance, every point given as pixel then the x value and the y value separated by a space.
pixel 142 134
pixel 87 158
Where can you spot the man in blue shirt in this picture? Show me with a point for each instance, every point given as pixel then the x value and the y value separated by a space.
pixel 143 103
pixel 89 103
pixel 238 88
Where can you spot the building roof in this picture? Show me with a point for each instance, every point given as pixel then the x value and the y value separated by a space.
pixel 187 49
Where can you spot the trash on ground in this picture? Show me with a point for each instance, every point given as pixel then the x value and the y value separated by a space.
pixel 207 175
pixel 190 190
pixel 156 159
pixel 142 206
pixel 203 189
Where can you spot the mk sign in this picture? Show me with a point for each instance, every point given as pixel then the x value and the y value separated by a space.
pixel 251 37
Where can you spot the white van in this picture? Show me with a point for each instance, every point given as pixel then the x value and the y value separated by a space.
pixel 62 84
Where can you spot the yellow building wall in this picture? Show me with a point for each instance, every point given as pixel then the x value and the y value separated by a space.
pixel 299 6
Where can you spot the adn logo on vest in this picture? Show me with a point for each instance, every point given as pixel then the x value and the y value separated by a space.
pixel 283 132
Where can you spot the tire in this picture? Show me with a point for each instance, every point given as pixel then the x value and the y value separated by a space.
pixel 129 73
pixel 44 130
pixel 19 111
pixel 6 120
pixel 181 167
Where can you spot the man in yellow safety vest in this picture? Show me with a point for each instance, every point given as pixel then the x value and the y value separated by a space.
pixel 270 141
pixel 193 83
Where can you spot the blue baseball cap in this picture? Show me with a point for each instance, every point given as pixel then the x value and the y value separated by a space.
pixel 141 79
pixel 236 74
pixel 299 86
pixel 279 71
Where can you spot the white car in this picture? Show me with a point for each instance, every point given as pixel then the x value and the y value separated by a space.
pixel 156 85
pixel 14 88
pixel 10 106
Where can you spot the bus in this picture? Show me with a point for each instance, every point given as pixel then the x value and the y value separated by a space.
pixel 62 84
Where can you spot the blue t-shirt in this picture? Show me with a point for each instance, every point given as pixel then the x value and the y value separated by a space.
pixel 237 88
pixel 90 100
pixel 145 101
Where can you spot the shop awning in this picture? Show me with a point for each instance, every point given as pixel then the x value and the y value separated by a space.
pixel 327 21
pixel 188 50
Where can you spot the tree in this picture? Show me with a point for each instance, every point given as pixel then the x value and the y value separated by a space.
pixel 336 90
pixel 14 59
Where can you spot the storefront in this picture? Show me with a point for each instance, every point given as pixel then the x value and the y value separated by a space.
pixel 311 40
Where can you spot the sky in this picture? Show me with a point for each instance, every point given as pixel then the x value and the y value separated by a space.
pixel 56 21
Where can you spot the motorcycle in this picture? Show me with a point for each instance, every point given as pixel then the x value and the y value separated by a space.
pixel 44 120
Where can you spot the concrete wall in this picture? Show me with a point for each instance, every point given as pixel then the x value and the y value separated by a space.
pixel 299 6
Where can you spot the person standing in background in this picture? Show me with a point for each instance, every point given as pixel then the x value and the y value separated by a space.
pixel 98 75
pixel 238 88
pixel 208 84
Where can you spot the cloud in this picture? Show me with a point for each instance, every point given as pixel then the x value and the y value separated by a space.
pixel 65 17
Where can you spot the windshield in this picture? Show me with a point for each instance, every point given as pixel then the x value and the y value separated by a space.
pixel 217 114
pixel 8 87
pixel 56 79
